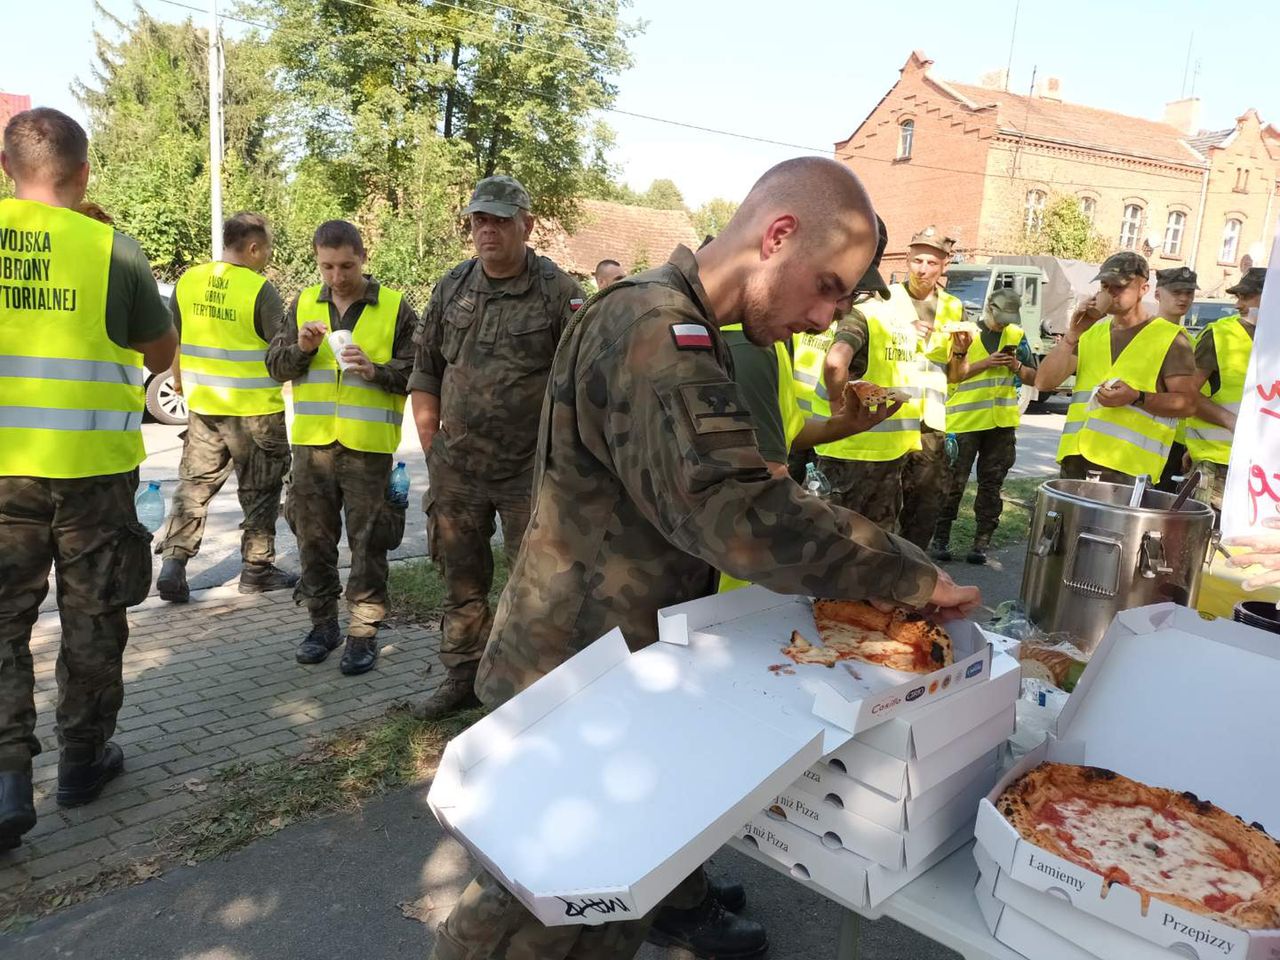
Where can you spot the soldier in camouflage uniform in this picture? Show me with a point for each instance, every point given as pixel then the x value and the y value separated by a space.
pixel 342 462
pixel 484 349
pixel 649 478
pixel 79 315
pixel 235 420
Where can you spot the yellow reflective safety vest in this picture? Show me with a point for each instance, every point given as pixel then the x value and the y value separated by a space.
pixel 71 400
pixel 1128 438
pixel 1233 346
pixel 224 361
pixel 935 353
pixel 329 405
pixel 989 399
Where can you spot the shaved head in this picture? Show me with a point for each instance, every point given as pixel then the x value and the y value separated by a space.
pixel 795 250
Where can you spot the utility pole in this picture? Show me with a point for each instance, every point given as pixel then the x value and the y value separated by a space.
pixel 215 132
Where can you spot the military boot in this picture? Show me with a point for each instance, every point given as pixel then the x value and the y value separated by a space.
pixel 731 895
pixel 456 692
pixel 709 931
pixel 172 582
pixel 17 807
pixel 80 782
pixel 940 550
pixel 319 643
pixel 978 552
pixel 359 656
pixel 264 577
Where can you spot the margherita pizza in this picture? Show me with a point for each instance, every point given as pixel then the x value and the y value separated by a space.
pixel 850 630
pixel 872 396
pixel 1171 846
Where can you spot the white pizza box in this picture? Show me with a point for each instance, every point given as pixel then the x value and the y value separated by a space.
pixel 565 792
pixel 999 893
pixel 741 635
pixel 1020 933
pixel 1171 700
pixel 828 868
pixel 889 848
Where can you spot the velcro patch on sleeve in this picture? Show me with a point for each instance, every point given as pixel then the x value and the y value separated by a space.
pixel 576 304
pixel 691 336
pixel 715 407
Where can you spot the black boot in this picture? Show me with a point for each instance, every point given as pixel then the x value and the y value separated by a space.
pixel 17 807
pixel 172 582
pixel 709 931
pixel 360 655
pixel 731 895
pixel 78 783
pixel 978 553
pixel 940 550
pixel 319 643
pixel 265 577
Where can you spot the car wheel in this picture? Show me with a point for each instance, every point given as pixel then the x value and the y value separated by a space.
pixel 164 403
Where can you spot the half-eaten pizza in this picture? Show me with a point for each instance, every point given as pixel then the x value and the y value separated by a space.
pixel 1166 845
pixel 871 396
pixel 852 630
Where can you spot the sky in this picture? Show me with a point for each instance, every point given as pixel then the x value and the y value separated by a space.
pixel 806 72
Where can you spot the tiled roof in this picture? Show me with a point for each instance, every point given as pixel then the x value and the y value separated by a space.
pixel 1210 138
pixel 614 231
pixel 1036 117
pixel 11 103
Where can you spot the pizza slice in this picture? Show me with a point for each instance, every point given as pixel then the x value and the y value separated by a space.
pixel 802 651
pixel 901 640
pixel 870 395
pixel 1170 846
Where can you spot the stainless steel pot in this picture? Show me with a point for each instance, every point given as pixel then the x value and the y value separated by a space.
pixel 1090 555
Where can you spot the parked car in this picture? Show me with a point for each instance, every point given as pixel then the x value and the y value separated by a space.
pixel 164 404
pixel 1204 312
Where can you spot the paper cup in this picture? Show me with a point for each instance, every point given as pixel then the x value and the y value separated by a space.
pixel 339 339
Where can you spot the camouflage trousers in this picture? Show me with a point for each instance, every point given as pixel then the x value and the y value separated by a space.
pixel 460 522
pixel 1076 467
pixel 326 485
pixel 924 484
pixel 994 451
pixel 869 487
pixel 88 531
pixel 489 923
pixel 257 448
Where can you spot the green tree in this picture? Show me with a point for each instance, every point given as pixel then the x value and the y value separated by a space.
pixel 663 195
pixel 710 218
pixel 1064 231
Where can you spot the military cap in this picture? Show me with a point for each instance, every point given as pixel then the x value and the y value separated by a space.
pixel 871 281
pixel 1250 284
pixel 1006 307
pixel 1176 278
pixel 931 236
pixel 500 196
pixel 1123 267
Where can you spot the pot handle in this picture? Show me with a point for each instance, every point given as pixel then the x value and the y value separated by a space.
pixel 1094 546
pixel 1151 560
pixel 1048 534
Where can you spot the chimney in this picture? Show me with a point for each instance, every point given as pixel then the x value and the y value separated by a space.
pixel 1050 88
pixel 1184 115
pixel 994 80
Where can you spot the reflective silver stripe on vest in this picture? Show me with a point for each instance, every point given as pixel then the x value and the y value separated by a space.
pixel 986 405
pixel 52 418
pixel 1072 426
pixel 806 378
pixel 347 411
pixel 1081 396
pixel 316 376
pixel 217 353
pixel 981 383
pixel 1233 407
pixel 804 405
pixel 1211 434
pixel 90 371
pixel 314 408
pixel 895 426
pixel 230 383
pixel 1117 432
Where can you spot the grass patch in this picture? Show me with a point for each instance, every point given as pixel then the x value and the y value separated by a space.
pixel 416 590
pixel 1015 519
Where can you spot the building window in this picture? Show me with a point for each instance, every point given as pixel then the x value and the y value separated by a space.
pixel 1173 229
pixel 1230 241
pixel 1088 206
pixel 906 136
pixel 1034 218
pixel 1242 180
pixel 1130 227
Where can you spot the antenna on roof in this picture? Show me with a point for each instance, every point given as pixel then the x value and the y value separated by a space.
pixel 1195 75
pixel 1013 35
pixel 1187 68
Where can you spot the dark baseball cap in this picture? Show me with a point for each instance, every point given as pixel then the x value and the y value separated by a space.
pixel 871 281
pixel 1006 307
pixel 1123 267
pixel 931 236
pixel 500 196
pixel 1250 284
pixel 1176 278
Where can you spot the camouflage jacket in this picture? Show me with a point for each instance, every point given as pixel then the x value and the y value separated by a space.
pixel 484 347
pixel 649 479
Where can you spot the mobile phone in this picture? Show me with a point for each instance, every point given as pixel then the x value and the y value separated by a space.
pixel 1009 349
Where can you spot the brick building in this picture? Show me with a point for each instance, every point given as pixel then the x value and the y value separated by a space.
pixel 637 237
pixel 11 103
pixel 981 162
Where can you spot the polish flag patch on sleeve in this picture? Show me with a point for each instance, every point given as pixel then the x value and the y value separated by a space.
pixel 691 336
pixel 575 304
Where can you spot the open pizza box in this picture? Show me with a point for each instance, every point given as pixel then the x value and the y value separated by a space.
pixel 1172 701
pixel 824 866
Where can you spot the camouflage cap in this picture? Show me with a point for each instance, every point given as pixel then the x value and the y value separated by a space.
pixel 871 281
pixel 500 196
pixel 1250 284
pixel 931 236
pixel 1123 267
pixel 1006 307
pixel 1176 278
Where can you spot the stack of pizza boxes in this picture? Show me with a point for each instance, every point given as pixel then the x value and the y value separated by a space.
pixel 890 797
pixel 1173 702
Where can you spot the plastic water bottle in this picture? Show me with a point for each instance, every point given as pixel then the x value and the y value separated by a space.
pixel 150 506
pixel 398 487
pixel 953 449
pixel 815 481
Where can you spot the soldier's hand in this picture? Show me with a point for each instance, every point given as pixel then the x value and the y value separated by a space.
pixel 854 417
pixel 835 373
pixel 310 335
pixel 1119 394
pixel 950 601
pixel 961 341
pixel 1001 360
pixel 356 359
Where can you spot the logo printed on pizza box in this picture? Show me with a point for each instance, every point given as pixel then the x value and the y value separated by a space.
pixel 915 694
pixel 973 669
pixel 887 704
pixel 1196 935
pixel 1049 870
pixel 813 775
pixel 946 681
pixel 933 688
